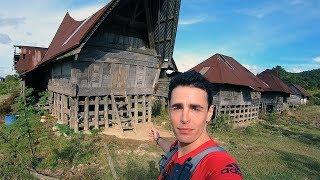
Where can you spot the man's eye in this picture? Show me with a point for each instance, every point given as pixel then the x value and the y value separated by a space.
pixel 176 108
pixel 195 108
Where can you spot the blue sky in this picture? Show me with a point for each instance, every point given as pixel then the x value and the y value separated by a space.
pixel 259 34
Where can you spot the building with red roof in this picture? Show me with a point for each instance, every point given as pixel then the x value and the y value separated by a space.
pixel 237 92
pixel 274 97
pixel 102 71
pixel 298 96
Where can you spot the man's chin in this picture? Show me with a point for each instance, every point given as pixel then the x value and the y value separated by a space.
pixel 185 140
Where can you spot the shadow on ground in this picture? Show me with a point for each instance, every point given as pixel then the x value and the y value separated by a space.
pixel 305 165
pixel 303 137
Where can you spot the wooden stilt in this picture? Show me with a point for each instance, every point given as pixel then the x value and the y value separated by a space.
pixel 144 109
pixel 149 108
pixel 106 112
pixel 86 114
pixel 136 109
pixel 76 109
pixel 96 112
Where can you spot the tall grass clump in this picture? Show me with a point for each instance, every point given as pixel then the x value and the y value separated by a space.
pixel 222 123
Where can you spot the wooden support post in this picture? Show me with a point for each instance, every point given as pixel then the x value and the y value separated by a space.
pixel 106 112
pixel 149 108
pixel 65 108
pixel 144 108
pixel 76 109
pixel 59 108
pixel 96 112
pixel 72 113
pixel 86 114
pixel 136 108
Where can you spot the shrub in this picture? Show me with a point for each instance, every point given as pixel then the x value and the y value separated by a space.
pixel 156 108
pixel 222 122
pixel 271 118
pixel 65 129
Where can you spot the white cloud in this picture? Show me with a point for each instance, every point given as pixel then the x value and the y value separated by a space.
pixel 317 59
pixel 186 60
pixel 5 39
pixel 261 12
pixel 192 21
pixel 253 68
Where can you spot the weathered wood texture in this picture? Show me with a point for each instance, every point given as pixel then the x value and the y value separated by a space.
pixel 86 113
pixel 239 113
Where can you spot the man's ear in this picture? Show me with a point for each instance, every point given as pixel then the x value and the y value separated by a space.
pixel 210 113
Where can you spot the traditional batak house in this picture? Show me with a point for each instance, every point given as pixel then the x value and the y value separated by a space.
pixel 274 98
pixel 299 95
pixel 236 90
pixel 104 70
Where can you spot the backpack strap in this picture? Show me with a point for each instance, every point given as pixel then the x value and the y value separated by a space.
pixel 165 159
pixel 196 159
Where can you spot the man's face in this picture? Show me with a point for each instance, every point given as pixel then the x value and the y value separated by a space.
pixel 189 113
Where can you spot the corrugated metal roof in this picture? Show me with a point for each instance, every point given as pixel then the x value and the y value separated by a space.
pixel 274 82
pixel 71 33
pixel 301 90
pixel 29 58
pixel 223 69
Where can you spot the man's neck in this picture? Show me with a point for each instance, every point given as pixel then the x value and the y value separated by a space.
pixel 185 148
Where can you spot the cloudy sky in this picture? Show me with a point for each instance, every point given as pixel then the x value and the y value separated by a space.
pixel 259 34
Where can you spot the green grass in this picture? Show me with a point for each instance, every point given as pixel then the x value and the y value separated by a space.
pixel 275 151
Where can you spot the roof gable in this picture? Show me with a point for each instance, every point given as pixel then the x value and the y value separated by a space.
pixel 274 82
pixel 301 90
pixel 223 69
pixel 70 34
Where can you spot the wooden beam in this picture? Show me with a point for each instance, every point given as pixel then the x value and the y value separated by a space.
pixel 128 22
pixel 149 108
pixel 144 108
pixel 149 24
pixel 136 108
pixel 76 109
pixel 96 112
pixel 106 112
pixel 86 114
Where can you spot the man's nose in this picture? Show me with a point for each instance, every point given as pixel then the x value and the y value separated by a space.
pixel 185 116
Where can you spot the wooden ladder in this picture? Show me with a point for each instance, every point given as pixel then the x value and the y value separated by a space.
pixel 125 122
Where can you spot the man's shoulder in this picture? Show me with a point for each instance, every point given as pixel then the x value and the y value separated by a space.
pixel 219 164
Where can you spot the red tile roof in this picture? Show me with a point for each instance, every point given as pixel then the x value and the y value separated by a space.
pixel 274 82
pixel 223 69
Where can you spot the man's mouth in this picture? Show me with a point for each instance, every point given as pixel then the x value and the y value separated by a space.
pixel 185 130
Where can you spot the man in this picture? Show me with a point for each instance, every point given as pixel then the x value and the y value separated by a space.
pixel 194 155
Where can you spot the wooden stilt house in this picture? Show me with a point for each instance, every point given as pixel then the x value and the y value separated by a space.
pixel 236 90
pixel 298 96
pixel 103 71
pixel 274 98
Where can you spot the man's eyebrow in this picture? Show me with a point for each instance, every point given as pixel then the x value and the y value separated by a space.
pixel 196 106
pixel 176 104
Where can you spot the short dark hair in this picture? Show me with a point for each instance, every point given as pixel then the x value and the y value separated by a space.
pixel 192 79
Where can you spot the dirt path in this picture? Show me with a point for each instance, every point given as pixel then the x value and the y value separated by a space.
pixel 141 132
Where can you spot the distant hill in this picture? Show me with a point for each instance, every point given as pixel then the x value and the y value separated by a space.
pixel 308 79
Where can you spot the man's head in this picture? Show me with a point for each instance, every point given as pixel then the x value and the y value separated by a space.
pixel 191 79
pixel 190 100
